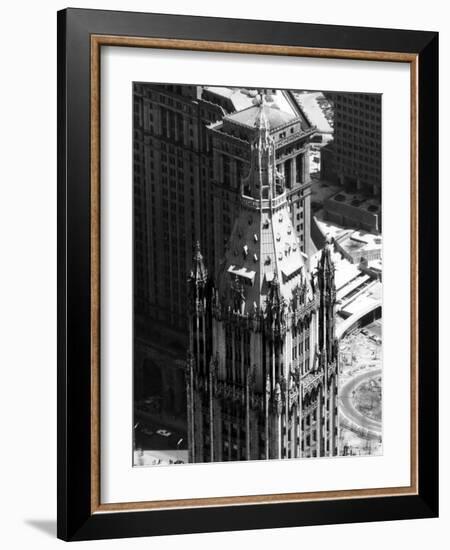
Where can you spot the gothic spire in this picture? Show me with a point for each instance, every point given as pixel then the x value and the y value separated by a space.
pixel 326 263
pixel 198 271
pixel 261 180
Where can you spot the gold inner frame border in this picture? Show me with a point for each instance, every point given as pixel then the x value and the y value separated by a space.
pixel 97 41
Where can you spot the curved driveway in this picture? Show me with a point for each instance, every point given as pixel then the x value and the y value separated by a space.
pixel 348 407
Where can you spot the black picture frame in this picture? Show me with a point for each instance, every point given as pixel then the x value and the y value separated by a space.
pixel 76 520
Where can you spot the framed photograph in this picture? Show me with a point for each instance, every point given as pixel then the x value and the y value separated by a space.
pixel 247 255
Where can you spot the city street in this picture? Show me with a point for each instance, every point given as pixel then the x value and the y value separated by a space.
pixel 156 444
pixel 360 364
pixel 348 404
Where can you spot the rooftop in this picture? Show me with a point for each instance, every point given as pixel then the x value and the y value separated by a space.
pixel 358 200
pixel 238 96
pixel 369 296
pixel 355 241
pixel 274 116
pixel 309 102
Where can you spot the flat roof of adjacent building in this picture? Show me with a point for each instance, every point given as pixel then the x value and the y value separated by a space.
pixel 308 101
pixel 238 96
pixel 355 241
pixel 357 200
pixel 274 115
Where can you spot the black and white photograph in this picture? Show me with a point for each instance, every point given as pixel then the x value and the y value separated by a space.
pixel 257 274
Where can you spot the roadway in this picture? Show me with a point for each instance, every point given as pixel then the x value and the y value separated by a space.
pixel 347 405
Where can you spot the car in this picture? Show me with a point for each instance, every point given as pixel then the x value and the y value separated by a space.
pixel 164 433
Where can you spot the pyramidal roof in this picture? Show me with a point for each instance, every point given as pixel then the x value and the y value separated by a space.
pixel 263 249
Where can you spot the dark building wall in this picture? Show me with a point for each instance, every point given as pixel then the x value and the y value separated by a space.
pixel 172 199
pixel 351 216
pixel 171 210
pixel 355 158
pixel 159 385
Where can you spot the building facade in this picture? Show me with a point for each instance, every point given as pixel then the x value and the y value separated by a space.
pixel 353 158
pixel 262 367
pixel 172 168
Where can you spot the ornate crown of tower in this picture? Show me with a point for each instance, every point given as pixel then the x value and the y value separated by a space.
pixel 263 256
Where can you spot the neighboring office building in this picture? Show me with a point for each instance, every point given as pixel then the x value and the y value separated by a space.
pixel 172 168
pixel 262 367
pixel 353 158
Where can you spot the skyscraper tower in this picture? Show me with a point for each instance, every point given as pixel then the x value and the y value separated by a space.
pixel 262 364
